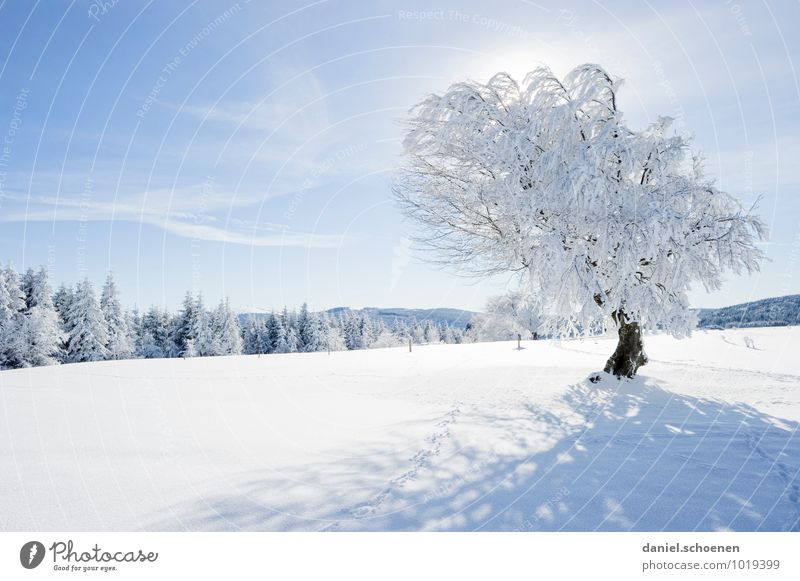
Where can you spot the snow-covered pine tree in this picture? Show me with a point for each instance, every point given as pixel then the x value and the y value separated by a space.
pixel 8 324
pixel 252 335
pixel 333 338
pixel 149 349
pixel 292 340
pixel 87 338
pixel 385 338
pixel 118 344
pixel 448 336
pixel 41 337
pixel 271 326
pixel 401 329
pixel 6 317
pixel 189 349
pixel 277 334
pixel 12 348
pixel 207 343
pixel 263 337
pixel 370 329
pixel 227 330
pixel 603 224
pixel 163 333
pixel 134 320
pixel 155 334
pixel 62 300
pixel 352 330
pixel 26 284
pixel 418 333
pixel 302 327
pixel 182 327
pixel 309 330
pixel 432 333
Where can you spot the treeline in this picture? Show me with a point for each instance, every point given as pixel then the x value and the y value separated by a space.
pixel 42 327
pixel 772 312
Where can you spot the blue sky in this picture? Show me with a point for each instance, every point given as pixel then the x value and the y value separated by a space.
pixel 247 148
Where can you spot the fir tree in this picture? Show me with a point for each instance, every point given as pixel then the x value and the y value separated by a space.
pixel 62 300
pixel 134 320
pixel 13 305
pixel 226 329
pixel 9 325
pixel 183 326
pixel 277 334
pixel 292 340
pixel 155 334
pixel 118 343
pixel 40 335
pixel 87 338
pixel 206 340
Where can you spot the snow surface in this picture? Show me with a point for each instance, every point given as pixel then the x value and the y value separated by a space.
pixel 449 437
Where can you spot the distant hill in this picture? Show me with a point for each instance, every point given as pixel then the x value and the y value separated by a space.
pixel 774 312
pixel 450 317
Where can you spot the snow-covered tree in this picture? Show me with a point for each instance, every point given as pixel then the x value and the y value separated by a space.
pixel 418 334
pixel 119 344
pixel 12 308
pixel 10 319
pixel 27 283
pixel 331 333
pixel 432 333
pixel 277 334
pixel 155 334
pixel 253 335
pixel 353 330
pixel 506 317
pixel 385 339
pixel 264 344
pixel 6 319
pixel 149 349
pixel 189 348
pixel 62 300
pixel 87 336
pixel 309 330
pixel 448 335
pixel 292 340
pixel 227 332
pixel 40 334
pixel 134 321
pixel 206 341
pixel 603 223
pixel 183 327
pixel 303 327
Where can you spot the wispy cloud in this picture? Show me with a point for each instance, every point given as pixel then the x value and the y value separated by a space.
pixel 179 217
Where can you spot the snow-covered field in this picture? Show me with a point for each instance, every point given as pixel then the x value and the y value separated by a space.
pixel 449 437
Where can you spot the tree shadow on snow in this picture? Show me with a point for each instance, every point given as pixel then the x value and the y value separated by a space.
pixel 627 455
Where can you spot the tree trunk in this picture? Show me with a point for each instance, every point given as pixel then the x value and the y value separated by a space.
pixel 629 355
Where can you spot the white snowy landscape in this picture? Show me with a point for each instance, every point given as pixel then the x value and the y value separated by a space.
pixel 350 267
pixel 479 436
